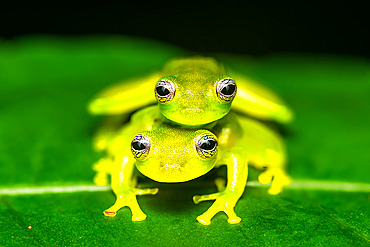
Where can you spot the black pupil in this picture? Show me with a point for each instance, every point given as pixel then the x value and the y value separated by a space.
pixel 208 145
pixel 228 89
pixel 138 146
pixel 162 91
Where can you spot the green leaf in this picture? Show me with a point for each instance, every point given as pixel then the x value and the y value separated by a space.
pixel 45 140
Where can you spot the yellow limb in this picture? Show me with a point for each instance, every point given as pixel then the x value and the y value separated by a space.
pixel 260 102
pixel 107 131
pixel 102 168
pixel 279 179
pixel 125 192
pixel 237 173
pixel 220 184
pixel 125 97
pixel 128 199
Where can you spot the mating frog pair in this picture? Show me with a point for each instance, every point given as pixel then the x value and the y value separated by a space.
pixel 189 133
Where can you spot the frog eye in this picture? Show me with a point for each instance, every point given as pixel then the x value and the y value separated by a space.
pixel 226 90
pixel 206 145
pixel 165 91
pixel 140 147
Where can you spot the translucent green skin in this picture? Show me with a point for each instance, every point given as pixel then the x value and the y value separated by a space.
pixel 173 158
pixel 195 102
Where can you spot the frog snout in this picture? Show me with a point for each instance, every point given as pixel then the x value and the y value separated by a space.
pixel 190 110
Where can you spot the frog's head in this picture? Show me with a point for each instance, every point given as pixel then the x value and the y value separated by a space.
pixel 195 94
pixel 173 155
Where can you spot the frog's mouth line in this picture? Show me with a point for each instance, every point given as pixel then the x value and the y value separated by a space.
pixel 169 173
pixel 192 119
pixel 173 172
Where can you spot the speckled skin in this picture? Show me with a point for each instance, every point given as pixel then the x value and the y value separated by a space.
pixel 195 102
pixel 173 158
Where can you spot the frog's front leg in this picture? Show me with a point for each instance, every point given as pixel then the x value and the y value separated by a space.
pixel 237 173
pixel 125 190
pixel 127 197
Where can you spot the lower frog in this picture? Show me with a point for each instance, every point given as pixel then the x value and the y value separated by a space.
pixel 170 154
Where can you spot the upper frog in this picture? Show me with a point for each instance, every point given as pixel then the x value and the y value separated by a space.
pixel 193 92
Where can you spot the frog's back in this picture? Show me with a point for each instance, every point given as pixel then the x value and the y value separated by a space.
pixel 193 64
pixel 252 139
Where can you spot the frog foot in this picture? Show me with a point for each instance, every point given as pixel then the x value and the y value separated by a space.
pixel 224 202
pixel 101 167
pixel 100 179
pixel 129 199
pixel 280 180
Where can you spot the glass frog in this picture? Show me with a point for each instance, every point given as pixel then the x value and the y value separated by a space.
pixel 193 92
pixel 170 154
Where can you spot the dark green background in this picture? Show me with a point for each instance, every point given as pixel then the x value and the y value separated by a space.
pixel 45 139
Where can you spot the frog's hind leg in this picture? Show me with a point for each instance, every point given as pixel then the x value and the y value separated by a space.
pixel 275 172
pixel 102 168
pixel 280 179
pixel 108 130
pixel 125 97
pixel 259 101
